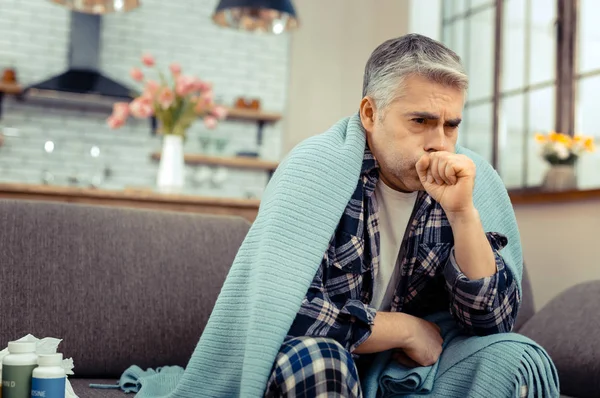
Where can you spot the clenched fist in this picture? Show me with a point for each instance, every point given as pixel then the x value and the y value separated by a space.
pixel 449 179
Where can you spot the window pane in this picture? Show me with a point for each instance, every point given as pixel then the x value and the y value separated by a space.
pixel 447 37
pixel 459 35
pixel 510 148
pixel 541 119
pixel 543 41
pixel 454 7
pixel 478 134
pixel 587 124
pixel 589 35
pixel 514 36
pixel 478 3
pixel 481 54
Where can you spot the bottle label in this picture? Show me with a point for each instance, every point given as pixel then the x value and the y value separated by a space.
pixel 16 381
pixel 48 388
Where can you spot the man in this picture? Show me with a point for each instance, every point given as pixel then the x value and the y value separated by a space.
pixel 410 241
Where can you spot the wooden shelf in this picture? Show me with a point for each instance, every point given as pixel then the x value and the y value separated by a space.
pixel 239 162
pixel 252 115
pixel 232 113
pixel 537 196
pixel 10 88
pixel 140 199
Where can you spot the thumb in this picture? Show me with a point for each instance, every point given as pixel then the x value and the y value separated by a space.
pixel 422 165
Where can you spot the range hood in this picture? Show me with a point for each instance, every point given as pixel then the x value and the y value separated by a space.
pixel 82 82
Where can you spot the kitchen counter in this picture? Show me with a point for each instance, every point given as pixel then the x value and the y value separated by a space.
pixel 246 208
pixel 142 199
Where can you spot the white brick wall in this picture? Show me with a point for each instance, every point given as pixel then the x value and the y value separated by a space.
pixel 237 63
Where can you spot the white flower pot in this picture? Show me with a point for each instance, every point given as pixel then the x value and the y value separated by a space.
pixel 171 170
pixel 560 178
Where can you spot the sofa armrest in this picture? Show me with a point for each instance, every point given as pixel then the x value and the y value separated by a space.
pixel 568 328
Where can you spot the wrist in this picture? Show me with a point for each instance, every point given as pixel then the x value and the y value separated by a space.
pixel 466 215
pixel 405 330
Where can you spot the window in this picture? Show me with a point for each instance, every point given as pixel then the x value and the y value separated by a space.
pixel 587 87
pixel 524 78
pixel 462 19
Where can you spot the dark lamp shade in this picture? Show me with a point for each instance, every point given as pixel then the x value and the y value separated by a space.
pixel 272 16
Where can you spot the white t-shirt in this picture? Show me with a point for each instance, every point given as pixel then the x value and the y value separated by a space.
pixel 395 209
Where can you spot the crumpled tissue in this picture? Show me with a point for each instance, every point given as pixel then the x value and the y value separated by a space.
pixel 48 345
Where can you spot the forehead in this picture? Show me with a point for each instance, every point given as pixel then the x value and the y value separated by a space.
pixel 422 94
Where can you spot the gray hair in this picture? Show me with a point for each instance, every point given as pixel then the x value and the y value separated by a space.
pixel 412 54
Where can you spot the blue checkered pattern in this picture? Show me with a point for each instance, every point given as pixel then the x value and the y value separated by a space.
pixel 337 304
pixel 321 367
pixel 313 368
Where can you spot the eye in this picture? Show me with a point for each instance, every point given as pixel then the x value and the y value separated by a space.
pixel 419 120
pixel 452 126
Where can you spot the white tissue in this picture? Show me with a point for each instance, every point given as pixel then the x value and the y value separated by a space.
pixel 48 345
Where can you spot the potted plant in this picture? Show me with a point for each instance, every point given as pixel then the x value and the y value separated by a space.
pixel 562 151
pixel 176 101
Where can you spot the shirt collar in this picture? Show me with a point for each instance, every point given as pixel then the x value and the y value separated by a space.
pixel 369 172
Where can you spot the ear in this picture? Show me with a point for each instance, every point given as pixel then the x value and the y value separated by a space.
pixel 368 113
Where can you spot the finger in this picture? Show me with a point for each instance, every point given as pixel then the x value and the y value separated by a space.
pixel 442 170
pixel 434 169
pixel 422 166
pixel 450 173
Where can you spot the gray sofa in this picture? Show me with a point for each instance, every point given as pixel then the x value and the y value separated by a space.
pixel 124 287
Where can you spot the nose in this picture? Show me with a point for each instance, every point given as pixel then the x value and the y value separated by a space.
pixel 435 140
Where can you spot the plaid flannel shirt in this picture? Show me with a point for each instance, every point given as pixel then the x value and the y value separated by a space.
pixel 337 304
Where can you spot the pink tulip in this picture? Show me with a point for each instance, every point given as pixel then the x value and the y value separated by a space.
pixel 175 69
pixel 219 112
pixel 166 98
pixel 202 86
pixel 121 110
pixel 184 85
pixel 148 60
pixel 210 122
pixel 207 98
pixel 114 122
pixel 137 74
pixel 141 108
pixel 200 107
pixel 151 89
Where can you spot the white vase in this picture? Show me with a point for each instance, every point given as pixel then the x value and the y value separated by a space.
pixel 171 170
pixel 560 178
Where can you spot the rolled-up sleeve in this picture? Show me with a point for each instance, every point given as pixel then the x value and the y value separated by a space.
pixel 488 305
pixel 324 314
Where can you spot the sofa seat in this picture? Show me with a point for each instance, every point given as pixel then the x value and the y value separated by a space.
pixel 83 390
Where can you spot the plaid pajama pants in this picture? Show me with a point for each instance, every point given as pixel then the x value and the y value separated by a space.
pixel 318 367
pixel 313 367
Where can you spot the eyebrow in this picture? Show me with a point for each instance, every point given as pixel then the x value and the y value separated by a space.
pixel 433 116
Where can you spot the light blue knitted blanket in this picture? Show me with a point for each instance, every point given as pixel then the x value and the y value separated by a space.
pixel 470 366
pixel 277 261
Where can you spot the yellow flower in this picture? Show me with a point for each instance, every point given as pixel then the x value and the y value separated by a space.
pixel 564 139
pixel 589 144
pixel 541 138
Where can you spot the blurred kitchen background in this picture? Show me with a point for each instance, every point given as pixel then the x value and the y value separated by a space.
pixel 534 67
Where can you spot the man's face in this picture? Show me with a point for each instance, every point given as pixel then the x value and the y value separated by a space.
pixel 424 119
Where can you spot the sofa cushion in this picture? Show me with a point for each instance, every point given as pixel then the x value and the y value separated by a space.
pixel 567 328
pixel 119 286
